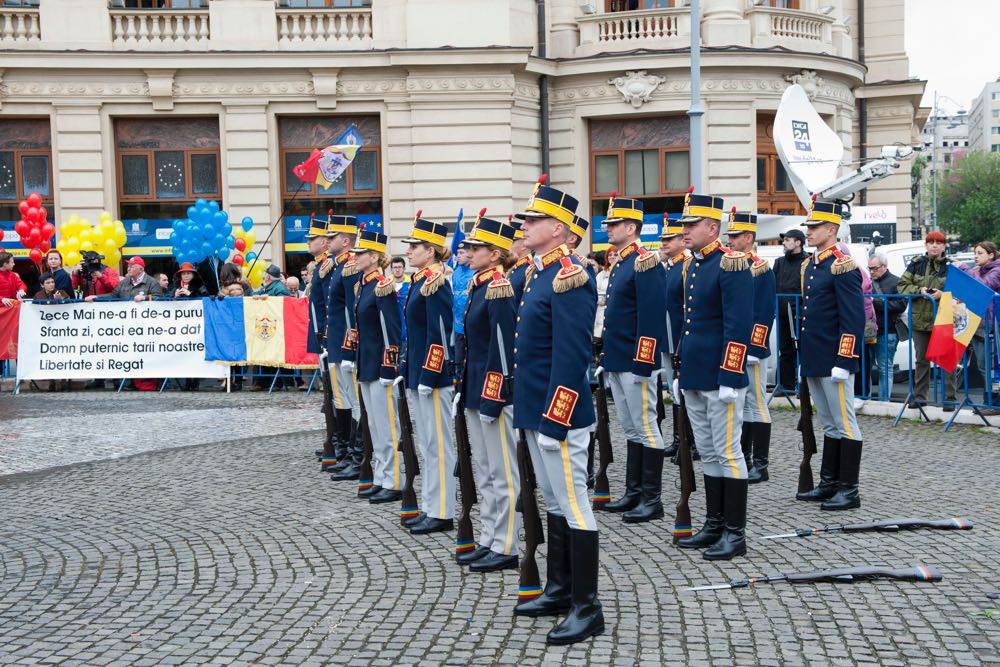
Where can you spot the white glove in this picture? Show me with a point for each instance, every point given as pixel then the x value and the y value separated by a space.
pixel 675 391
pixel 424 390
pixel 486 419
pixel 839 374
pixel 752 360
pixel 398 380
pixel 727 395
pixel 638 379
pixel 347 366
pixel 386 382
pixel 454 404
pixel 545 442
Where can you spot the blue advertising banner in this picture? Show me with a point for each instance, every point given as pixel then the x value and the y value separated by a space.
pixel 652 224
pixel 296 227
pixel 149 238
pixel 11 241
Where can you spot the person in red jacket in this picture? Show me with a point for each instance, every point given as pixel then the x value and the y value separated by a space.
pixel 101 282
pixel 11 285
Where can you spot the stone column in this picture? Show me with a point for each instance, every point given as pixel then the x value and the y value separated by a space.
pixel 246 173
pixel 723 24
pixel 78 163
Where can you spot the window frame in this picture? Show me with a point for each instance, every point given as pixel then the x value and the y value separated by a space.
pixel 328 4
pixel 189 195
pixel 49 200
pixel 620 153
pixel 770 200
pixel 312 190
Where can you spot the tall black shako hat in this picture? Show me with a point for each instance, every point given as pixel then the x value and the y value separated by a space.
pixel 547 202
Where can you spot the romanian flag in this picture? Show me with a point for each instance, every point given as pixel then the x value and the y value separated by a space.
pixel 325 166
pixel 963 305
pixel 265 332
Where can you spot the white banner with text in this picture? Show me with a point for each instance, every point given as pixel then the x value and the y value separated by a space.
pixel 120 339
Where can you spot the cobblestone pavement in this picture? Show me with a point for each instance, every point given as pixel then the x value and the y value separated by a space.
pixel 241 552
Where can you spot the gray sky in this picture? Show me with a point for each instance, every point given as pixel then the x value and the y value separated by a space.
pixel 954 45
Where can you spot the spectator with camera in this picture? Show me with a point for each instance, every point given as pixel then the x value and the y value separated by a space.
pixel 12 287
pixel 93 278
pixel 136 285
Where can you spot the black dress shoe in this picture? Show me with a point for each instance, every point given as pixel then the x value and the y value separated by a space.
pixel 432 525
pixel 914 404
pixel 370 492
pixel 350 472
pixel 474 555
pixel 412 521
pixel 386 496
pixel 948 407
pixel 493 562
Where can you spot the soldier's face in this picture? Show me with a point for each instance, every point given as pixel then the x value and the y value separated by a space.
pixel 481 257
pixel 419 255
pixel 540 233
pixel 699 234
pixel 821 236
pixel 618 233
pixel 317 245
pixel 365 260
pixel 673 246
pixel 740 242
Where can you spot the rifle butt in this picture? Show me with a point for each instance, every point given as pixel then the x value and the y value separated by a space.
pixel 408 507
pixel 602 491
pixel 682 521
pixel 530 584
pixel 464 539
pixel 805 477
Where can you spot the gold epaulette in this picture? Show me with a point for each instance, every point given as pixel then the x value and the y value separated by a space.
pixel 645 260
pixel 734 261
pixel 385 286
pixel 433 283
pixel 802 274
pixel 499 288
pixel 350 268
pixel 326 267
pixel 759 267
pixel 684 267
pixel 570 276
pixel 357 289
pixel 843 264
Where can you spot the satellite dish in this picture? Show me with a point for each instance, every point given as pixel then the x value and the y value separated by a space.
pixel 809 150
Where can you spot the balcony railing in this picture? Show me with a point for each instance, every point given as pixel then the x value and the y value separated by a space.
pixel 624 31
pixel 19 27
pixel 156 29
pixel 791 28
pixel 305 28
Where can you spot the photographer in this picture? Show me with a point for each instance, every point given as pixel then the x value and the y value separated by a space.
pixel 93 278
pixel 136 285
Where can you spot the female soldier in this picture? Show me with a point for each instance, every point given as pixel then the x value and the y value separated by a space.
pixel 428 374
pixel 485 394
pixel 379 323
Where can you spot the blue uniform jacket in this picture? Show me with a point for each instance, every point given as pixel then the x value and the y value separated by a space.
pixel 517 277
pixel 490 305
pixel 718 317
pixel 428 305
pixel 552 349
pixel 318 288
pixel 340 309
pixel 832 314
pixel 634 322
pixel 376 300
pixel 674 279
pixel 764 304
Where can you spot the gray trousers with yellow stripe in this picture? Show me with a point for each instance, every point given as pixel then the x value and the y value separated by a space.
pixel 755 409
pixel 383 423
pixel 435 439
pixel 834 402
pixel 717 428
pixel 636 404
pixel 344 391
pixel 561 473
pixel 494 452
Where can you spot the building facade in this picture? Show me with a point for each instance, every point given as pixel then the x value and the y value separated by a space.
pixel 140 110
pixel 984 119
pixel 945 138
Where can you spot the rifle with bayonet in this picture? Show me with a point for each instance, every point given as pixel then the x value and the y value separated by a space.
pixel 602 488
pixel 888 526
pixel 838 576
pixel 805 425
pixel 465 537
pixel 328 458
pixel 408 507
pixel 682 512
pixel 530 584
pixel 366 478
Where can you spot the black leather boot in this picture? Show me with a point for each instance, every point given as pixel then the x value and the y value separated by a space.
pixel 761 433
pixel 650 507
pixel 675 444
pixel 711 531
pixel 847 496
pixel 633 480
pixel 734 508
pixel 585 618
pixel 328 455
pixel 827 472
pixel 342 441
pixel 555 599
pixel 353 457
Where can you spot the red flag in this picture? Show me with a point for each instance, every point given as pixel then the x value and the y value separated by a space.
pixel 9 320
pixel 307 170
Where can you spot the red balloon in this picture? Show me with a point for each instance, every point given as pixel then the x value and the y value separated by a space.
pixel 34 238
pixel 22 228
pixel 44 246
pixel 35 199
pixel 1 235
pixel 241 244
pixel 35 255
pixel 43 213
pixel 238 259
pixel 22 206
pixel 48 230
pixel 31 215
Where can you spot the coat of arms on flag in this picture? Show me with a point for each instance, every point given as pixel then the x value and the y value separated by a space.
pixel 325 166
pixel 265 327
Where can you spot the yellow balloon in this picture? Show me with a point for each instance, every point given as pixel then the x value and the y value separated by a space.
pixel 112 259
pixel 97 235
pixel 110 247
pixel 119 237
pixel 71 257
pixel 251 238
pixel 85 236
pixel 73 219
pixel 239 233
pixel 71 244
pixel 104 216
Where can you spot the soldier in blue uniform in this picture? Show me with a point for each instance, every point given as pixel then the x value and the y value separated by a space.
pixel 756 438
pixel 672 249
pixel 340 329
pixel 486 395
pixel 634 327
pixel 429 374
pixel 832 332
pixel 316 337
pixel 552 405
pixel 377 358
pixel 718 318
pixel 522 261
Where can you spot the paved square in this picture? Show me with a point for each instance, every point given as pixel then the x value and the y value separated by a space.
pixel 217 540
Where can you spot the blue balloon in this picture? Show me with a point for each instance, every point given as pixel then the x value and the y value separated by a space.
pixel 206 249
pixel 192 211
pixel 247 223
pixel 200 202
pixel 221 217
pixel 219 241
pixel 251 256
pixel 230 241
pixel 213 206
pixel 222 253
pixel 208 230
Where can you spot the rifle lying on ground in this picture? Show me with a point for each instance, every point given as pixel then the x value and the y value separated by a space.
pixel 464 539
pixel 805 425
pixel 530 585
pixel 839 576
pixel 408 508
pixel 602 489
pixel 889 526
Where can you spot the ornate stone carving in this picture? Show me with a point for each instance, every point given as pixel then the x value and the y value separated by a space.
pixel 161 88
pixel 808 80
pixel 637 87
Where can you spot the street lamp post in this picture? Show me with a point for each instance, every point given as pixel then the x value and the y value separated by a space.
pixel 695 112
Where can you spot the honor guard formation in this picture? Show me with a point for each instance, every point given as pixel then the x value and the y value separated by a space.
pixel 510 408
